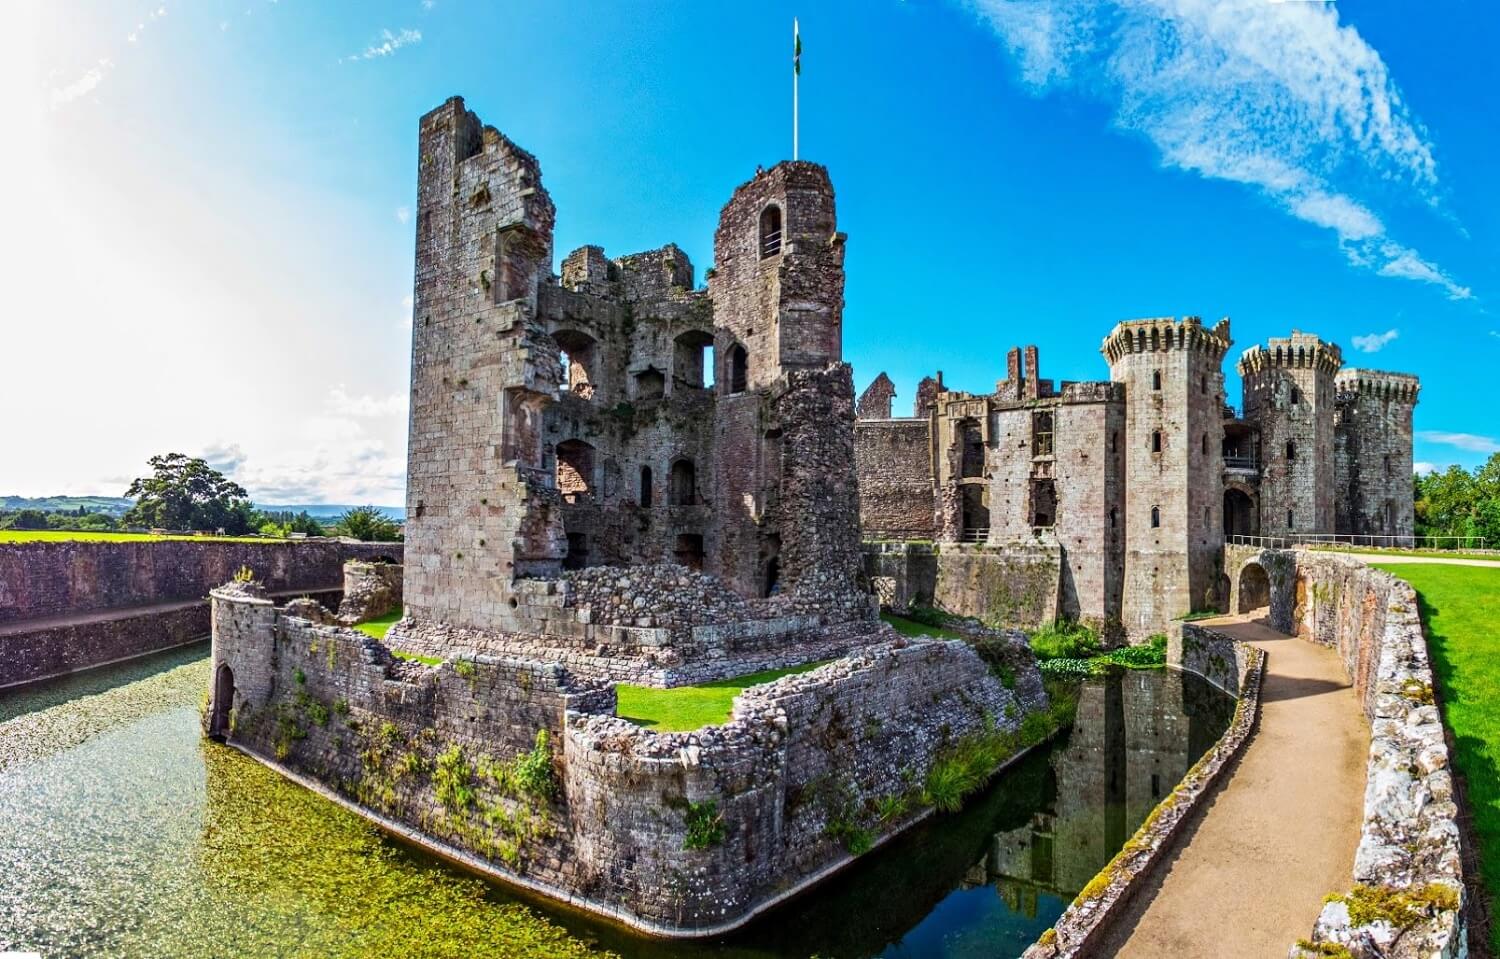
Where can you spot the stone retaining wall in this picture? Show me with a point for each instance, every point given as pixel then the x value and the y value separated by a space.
pixel 1015 585
pixel 30 655
pixel 1410 838
pixel 39 580
pixel 674 833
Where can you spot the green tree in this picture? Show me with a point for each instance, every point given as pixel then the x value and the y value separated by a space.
pixel 29 519
pixel 369 524
pixel 184 492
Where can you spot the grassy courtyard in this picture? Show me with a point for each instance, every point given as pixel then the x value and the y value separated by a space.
pixel 380 625
pixel 685 708
pixel 910 627
pixel 1461 613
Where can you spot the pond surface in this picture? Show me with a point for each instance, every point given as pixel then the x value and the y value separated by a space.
pixel 123 833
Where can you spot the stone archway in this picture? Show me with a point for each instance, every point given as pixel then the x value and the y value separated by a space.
pixel 1255 587
pixel 223 703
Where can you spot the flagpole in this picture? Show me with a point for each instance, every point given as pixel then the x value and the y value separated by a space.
pixel 796 73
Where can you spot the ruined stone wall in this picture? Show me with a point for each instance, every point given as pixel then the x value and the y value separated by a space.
pixel 371 590
pixel 1410 837
pixel 1373 454
pixel 1174 474
pixel 480 509
pixel 893 463
pixel 1289 395
pixel 66 578
pixel 767 795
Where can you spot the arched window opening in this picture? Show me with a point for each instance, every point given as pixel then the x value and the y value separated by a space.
pixel 575 470
pixel 646 489
pixel 1204 387
pixel 576 354
pixel 770 231
pixel 1156 379
pixel 1291 450
pixel 682 484
pixel 1289 523
pixel 739 369
pixel 1241 517
pixel 772 559
pixel 975 513
pixel 222 704
pixel 1043 504
pixel 1114 517
pixel 693 359
pixel 1156 441
pixel 1296 396
pixel 1255 588
pixel 971 451
pixel 1114 441
pixel 1205 444
pixel 1155 517
pixel 1387 464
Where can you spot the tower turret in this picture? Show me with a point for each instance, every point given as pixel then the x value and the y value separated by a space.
pixel 1372 453
pixel 1174 476
pixel 1289 395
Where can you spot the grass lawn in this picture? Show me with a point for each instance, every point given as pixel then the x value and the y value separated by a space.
pixel 910 627
pixel 1395 554
pixel 685 708
pixel 378 627
pixel 68 535
pixel 1461 612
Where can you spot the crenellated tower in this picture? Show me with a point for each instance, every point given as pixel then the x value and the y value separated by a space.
pixel 1174 486
pixel 1289 395
pixel 1373 453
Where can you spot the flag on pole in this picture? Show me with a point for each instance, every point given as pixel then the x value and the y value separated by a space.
pixel 796 49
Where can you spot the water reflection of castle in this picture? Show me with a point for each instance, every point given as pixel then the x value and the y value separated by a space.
pixel 1135 737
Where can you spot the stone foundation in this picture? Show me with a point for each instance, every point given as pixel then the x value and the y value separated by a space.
pixel 677 834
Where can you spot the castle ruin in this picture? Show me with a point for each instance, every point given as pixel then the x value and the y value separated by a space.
pixel 1112 501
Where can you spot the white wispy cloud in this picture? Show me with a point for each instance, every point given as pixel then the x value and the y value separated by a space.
pixel 82 86
pixel 1279 97
pixel 1424 468
pixel 341 403
pixel 1373 342
pixel 402 214
pixel 1472 442
pixel 388 44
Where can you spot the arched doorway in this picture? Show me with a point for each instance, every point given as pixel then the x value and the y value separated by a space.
pixel 1241 514
pixel 1255 588
pixel 223 702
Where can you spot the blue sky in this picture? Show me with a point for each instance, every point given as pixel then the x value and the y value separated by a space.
pixel 217 195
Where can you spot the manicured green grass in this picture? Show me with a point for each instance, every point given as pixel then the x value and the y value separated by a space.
pixel 379 626
pixel 1394 555
pixel 685 708
pixel 910 627
pixel 1461 613
pixel 416 657
pixel 81 536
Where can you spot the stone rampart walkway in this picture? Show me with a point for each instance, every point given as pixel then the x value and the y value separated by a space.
pixel 1248 876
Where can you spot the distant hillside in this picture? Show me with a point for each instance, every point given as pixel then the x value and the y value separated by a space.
pixel 113 505
pixel 321 511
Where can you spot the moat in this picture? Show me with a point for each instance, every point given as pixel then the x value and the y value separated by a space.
pixel 123 832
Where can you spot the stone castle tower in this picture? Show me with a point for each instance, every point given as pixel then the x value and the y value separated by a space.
pixel 1174 487
pixel 1372 452
pixel 561 422
pixel 1289 391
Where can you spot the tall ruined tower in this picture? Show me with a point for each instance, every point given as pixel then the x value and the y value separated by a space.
pixel 784 411
pixel 1372 453
pixel 1174 475
pixel 479 510
pixel 1289 394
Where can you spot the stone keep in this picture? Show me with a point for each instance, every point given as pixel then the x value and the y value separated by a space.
pixel 1174 487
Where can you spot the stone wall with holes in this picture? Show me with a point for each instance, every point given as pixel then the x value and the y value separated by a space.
pixel 39 580
pixel 1410 839
pixel 676 833
pixel 1015 585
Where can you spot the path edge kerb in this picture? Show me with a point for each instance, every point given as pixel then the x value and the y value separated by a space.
pixel 1082 925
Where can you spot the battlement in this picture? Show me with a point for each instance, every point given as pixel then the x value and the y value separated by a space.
pixel 1298 351
pixel 1166 333
pixel 1402 387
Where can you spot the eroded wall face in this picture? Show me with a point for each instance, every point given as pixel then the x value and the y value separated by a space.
pixel 479 511
pixel 893 461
